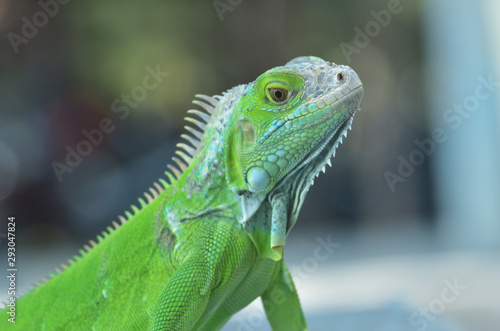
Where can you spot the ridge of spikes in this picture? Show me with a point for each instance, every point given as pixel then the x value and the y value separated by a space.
pixel 193 135
pixel 185 152
pixel 154 192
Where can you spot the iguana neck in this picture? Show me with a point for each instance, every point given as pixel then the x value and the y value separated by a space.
pixel 203 186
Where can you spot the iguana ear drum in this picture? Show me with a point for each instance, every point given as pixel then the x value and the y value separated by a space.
pixel 248 130
pixel 258 178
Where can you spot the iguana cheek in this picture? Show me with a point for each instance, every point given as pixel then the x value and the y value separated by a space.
pixel 258 178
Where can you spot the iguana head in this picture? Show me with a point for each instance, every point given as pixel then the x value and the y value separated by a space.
pixel 288 123
pixel 266 140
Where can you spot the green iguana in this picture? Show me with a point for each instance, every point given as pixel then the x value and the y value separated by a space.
pixel 207 244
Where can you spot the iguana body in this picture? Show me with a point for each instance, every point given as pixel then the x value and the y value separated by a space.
pixel 210 242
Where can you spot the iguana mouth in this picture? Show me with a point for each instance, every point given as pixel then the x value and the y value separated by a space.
pixel 327 151
pixel 316 160
pixel 320 155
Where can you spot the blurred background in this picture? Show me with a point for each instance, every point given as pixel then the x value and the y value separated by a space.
pixel 412 203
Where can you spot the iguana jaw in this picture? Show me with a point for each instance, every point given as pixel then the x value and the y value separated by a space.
pixel 302 178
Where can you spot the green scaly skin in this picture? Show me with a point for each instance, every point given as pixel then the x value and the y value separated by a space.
pixel 210 242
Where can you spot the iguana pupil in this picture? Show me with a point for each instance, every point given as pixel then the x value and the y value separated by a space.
pixel 278 94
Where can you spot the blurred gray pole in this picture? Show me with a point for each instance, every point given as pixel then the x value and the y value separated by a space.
pixel 467 165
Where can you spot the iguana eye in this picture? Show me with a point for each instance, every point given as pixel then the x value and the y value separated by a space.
pixel 279 95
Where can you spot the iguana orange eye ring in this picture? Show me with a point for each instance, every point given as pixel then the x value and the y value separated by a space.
pixel 279 95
